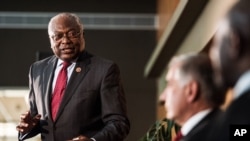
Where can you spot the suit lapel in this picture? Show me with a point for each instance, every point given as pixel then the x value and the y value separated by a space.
pixel 203 126
pixel 47 83
pixel 81 68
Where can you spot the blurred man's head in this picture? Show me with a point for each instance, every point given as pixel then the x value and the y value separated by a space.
pixel 230 52
pixel 190 87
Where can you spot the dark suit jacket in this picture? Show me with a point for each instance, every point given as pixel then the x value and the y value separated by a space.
pixel 93 104
pixel 201 130
pixel 237 113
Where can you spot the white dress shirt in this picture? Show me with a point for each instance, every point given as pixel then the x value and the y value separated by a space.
pixel 58 68
pixel 242 85
pixel 193 121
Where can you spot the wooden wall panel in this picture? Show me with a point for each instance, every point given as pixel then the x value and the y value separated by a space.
pixel 165 10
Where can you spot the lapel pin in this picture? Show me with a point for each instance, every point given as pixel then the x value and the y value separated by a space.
pixel 78 69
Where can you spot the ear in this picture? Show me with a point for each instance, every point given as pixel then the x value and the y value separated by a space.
pixel 192 91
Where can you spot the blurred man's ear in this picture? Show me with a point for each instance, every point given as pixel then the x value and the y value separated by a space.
pixel 192 91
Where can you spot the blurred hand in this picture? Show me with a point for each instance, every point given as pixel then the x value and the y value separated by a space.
pixel 27 122
pixel 81 138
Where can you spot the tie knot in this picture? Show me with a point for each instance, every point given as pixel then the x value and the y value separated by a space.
pixel 66 64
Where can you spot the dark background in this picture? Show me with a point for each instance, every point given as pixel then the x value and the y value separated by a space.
pixel 130 49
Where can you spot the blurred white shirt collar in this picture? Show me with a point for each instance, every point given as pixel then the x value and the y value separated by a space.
pixel 193 121
pixel 242 85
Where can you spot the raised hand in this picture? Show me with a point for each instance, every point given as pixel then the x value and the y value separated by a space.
pixel 27 122
pixel 81 138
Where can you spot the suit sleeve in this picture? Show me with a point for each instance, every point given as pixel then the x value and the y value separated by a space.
pixel 114 114
pixel 33 110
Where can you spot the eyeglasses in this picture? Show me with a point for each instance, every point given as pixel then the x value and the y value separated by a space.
pixel 70 34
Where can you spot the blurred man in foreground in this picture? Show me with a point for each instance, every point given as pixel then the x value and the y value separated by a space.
pixel 230 54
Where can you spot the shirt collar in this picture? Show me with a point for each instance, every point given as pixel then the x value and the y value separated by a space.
pixel 60 62
pixel 242 85
pixel 194 120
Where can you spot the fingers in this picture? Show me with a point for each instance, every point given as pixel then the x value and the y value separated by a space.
pixel 25 116
pixel 19 129
pixel 22 127
pixel 27 122
pixel 37 117
pixel 80 138
pixel 76 139
pixel 22 124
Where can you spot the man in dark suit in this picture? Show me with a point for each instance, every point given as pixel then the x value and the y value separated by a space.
pixel 191 98
pixel 91 107
pixel 230 54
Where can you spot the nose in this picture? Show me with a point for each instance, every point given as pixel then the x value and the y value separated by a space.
pixel 65 38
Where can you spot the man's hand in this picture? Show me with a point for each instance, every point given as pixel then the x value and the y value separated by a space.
pixel 27 122
pixel 81 138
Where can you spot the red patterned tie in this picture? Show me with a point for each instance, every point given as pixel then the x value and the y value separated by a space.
pixel 60 86
pixel 178 136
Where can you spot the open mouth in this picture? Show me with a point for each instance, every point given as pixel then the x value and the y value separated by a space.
pixel 67 50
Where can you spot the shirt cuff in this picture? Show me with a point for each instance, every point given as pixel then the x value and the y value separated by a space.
pixel 93 139
pixel 21 136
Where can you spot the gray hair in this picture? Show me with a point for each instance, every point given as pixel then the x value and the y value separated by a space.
pixel 70 16
pixel 198 67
